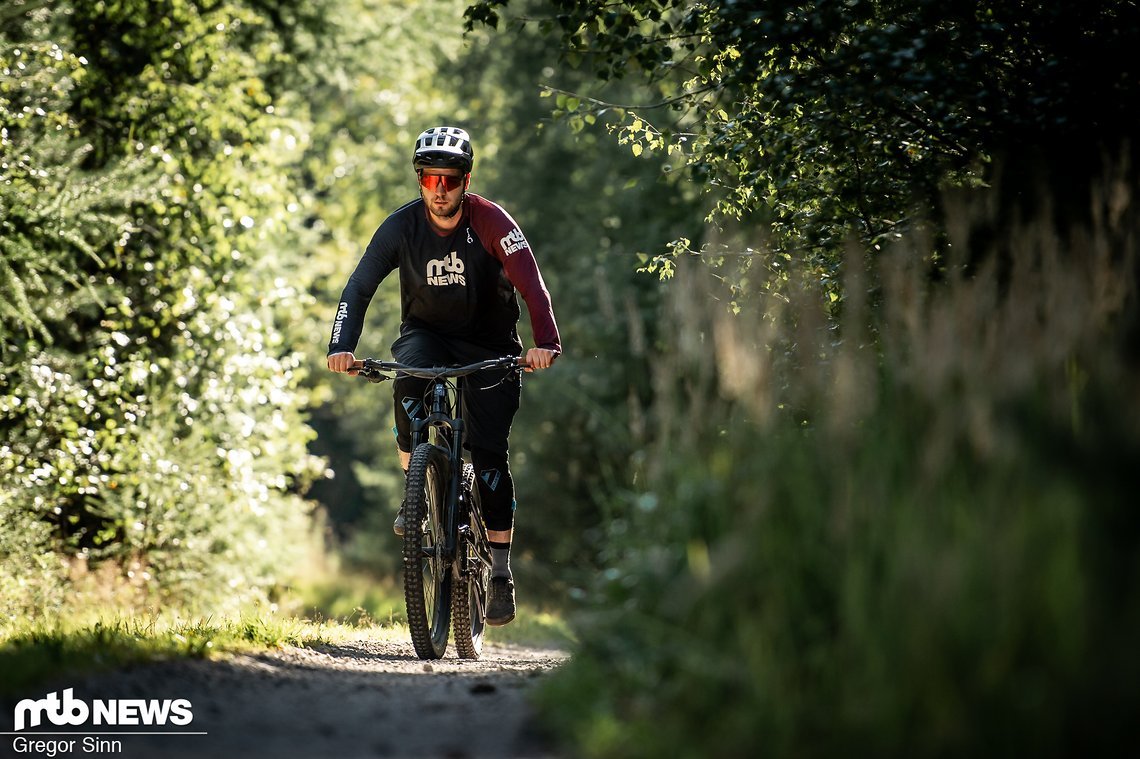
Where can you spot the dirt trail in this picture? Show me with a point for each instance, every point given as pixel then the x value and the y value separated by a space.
pixel 356 699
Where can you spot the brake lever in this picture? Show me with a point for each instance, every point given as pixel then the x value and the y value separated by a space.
pixel 372 375
pixel 515 370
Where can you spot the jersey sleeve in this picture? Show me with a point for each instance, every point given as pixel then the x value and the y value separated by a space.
pixel 504 240
pixel 379 259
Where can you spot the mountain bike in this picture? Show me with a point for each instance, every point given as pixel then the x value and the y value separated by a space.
pixel 447 557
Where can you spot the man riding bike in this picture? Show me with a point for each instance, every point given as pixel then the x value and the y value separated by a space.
pixel 460 257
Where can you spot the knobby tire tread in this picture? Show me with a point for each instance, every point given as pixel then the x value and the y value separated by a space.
pixel 427 462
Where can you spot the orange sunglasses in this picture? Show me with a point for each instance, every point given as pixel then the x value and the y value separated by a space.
pixel 430 181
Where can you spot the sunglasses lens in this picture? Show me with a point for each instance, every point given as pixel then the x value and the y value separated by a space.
pixel 431 181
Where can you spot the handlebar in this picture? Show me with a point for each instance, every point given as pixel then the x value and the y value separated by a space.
pixel 375 370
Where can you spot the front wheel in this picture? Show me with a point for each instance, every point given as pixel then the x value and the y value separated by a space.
pixel 427 574
pixel 472 575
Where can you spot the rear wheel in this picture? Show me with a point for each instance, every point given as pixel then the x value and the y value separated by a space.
pixel 471 576
pixel 427 576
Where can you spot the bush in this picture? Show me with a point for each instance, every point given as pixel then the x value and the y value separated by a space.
pixel 913 535
pixel 150 397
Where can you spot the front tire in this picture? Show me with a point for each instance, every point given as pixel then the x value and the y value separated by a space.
pixel 427 575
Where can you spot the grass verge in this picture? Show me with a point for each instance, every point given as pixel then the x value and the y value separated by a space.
pixel 36 652
pixel 336 609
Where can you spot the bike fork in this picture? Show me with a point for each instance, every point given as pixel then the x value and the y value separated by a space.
pixel 451 526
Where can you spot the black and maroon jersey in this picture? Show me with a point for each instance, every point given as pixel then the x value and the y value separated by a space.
pixel 459 284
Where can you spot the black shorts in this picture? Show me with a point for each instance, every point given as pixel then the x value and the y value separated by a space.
pixel 490 398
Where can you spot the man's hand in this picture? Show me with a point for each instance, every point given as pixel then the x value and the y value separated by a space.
pixel 344 363
pixel 539 358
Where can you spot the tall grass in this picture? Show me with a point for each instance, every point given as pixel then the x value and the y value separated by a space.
pixel 908 528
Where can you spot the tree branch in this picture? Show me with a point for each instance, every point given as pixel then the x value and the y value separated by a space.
pixel 633 106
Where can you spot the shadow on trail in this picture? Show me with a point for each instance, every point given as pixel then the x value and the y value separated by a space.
pixel 355 653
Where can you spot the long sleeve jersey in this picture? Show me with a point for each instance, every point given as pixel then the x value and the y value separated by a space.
pixel 458 284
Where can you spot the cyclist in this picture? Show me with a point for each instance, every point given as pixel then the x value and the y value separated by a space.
pixel 461 258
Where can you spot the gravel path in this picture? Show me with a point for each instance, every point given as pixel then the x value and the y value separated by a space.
pixel 355 699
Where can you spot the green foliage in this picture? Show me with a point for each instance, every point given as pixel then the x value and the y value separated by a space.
pixel 826 120
pixel 916 541
pixel 151 402
pixel 53 213
pixel 56 219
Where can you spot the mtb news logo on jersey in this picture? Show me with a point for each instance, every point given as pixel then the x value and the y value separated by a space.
pixel 449 271
pixel 513 242
pixel 65 709
pixel 341 315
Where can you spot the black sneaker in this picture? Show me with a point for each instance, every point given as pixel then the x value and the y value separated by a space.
pixel 500 601
pixel 398 525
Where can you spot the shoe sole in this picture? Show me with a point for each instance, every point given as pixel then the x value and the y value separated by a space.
pixel 500 622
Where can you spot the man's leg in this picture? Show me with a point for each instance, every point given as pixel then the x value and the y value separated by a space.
pixel 497 497
pixel 491 403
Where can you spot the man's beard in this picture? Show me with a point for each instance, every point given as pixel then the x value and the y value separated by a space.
pixel 443 213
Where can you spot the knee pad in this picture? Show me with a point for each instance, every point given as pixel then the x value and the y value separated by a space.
pixel 496 488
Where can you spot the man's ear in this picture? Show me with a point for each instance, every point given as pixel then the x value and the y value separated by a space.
pixel 467 182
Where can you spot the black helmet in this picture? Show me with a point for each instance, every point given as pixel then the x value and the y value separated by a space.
pixel 444 147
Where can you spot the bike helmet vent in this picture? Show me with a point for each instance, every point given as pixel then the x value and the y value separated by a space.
pixel 444 147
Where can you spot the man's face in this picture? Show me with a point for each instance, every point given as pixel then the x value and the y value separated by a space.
pixel 434 184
